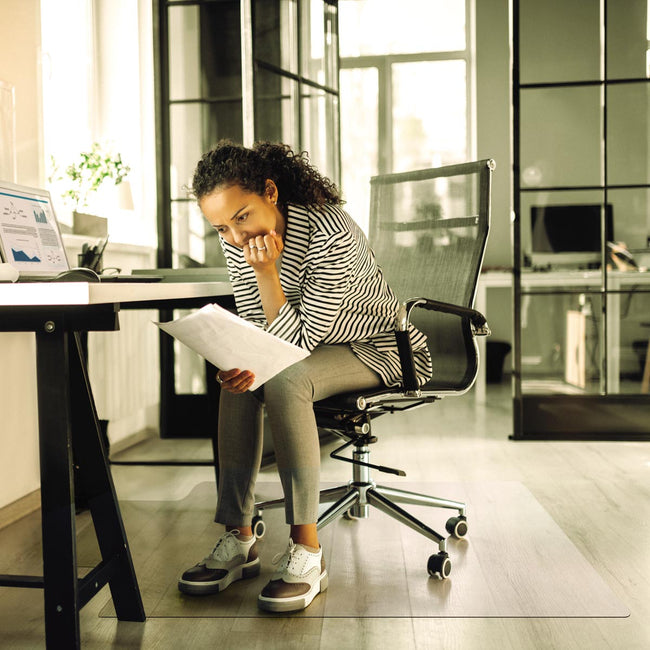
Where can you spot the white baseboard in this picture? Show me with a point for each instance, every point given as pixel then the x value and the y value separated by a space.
pixel 20 508
pixel 132 439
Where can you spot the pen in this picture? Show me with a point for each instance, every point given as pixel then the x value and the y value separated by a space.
pixel 98 251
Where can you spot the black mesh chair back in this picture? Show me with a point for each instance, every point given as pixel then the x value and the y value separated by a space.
pixel 429 229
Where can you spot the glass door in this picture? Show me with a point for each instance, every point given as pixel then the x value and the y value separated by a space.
pixel 581 231
pixel 244 70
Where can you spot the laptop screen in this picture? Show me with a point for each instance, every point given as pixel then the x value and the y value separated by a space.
pixel 30 239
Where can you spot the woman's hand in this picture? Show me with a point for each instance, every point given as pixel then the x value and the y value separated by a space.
pixel 235 380
pixel 262 252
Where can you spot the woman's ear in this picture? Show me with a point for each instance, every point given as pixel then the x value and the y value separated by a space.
pixel 271 190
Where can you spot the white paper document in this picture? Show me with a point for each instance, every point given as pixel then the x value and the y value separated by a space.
pixel 228 341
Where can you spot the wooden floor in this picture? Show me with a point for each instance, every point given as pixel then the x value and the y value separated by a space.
pixel 598 493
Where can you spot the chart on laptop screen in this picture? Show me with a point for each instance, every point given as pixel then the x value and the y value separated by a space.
pixel 29 234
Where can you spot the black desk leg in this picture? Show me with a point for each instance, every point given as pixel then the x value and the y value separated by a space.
pixel 57 492
pixel 68 429
pixel 97 483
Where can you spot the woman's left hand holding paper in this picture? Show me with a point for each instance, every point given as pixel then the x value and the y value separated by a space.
pixel 235 380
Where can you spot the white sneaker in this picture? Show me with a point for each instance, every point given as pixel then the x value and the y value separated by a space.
pixel 300 577
pixel 231 559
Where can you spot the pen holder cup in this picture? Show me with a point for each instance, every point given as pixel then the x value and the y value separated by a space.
pixel 90 261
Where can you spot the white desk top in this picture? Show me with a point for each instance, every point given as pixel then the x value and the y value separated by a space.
pixel 495 279
pixel 95 293
pixel 558 279
pixel 571 279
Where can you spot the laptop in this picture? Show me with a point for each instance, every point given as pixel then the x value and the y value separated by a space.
pixel 30 239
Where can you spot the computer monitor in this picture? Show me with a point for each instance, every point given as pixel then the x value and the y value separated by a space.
pixel 30 239
pixel 569 235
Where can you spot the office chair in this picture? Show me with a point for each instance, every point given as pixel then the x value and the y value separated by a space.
pixel 429 230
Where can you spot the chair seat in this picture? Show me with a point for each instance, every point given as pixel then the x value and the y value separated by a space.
pixel 360 400
pixel 350 401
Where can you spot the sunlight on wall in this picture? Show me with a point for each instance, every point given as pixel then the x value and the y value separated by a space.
pixel 68 78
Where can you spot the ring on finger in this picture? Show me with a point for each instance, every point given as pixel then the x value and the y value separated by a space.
pixel 261 248
pixel 219 380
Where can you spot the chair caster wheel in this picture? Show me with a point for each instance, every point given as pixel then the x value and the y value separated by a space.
pixel 258 526
pixel 439 566
pixel 457 526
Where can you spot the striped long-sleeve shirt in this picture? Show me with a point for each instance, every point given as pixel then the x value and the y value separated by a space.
pixel 335 291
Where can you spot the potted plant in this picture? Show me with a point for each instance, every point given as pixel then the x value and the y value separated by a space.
pixel 82 178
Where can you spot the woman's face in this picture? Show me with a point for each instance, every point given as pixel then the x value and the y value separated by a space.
pixel 238 215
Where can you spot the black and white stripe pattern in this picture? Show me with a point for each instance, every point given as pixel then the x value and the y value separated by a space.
pixel 335 292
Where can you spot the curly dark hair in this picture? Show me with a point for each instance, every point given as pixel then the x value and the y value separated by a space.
pixel 229 164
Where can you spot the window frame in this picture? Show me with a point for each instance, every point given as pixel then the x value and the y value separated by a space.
pixel 384 66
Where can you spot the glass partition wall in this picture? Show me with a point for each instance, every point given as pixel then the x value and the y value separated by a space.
pixel 581 91
pixel 245 70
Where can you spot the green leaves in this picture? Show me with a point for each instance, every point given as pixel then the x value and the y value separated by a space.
pixel 90 170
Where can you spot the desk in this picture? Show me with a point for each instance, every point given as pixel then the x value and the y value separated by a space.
pixel 548 407
pixel 618 283
pixel 69 433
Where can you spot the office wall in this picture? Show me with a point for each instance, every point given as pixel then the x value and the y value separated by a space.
pixel 494 118
pixel 20 40
pixel 19 469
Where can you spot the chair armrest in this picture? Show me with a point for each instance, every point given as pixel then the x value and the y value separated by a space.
pixel 479 323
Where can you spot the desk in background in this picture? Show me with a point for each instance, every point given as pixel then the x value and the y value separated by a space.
pixel 69 432
pixel 582 387
pixel 491 282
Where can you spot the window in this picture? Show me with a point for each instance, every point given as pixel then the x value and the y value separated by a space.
pixel 405 90
pixel 295 50
pixel 244 70
pixel 68 78
pixel 98 87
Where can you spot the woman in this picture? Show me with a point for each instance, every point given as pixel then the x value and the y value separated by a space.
pixel 302 270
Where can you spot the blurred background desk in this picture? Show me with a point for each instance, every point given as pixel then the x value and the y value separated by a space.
pixel 582 345
pixel 621 286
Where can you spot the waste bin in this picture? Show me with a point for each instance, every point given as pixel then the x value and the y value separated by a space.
pixel 641 351
pixel 496 354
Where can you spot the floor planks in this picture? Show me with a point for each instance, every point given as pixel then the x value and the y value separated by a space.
pixel 598 493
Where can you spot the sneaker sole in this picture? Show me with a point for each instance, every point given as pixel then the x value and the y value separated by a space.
pixel 243 571
pixel 294 603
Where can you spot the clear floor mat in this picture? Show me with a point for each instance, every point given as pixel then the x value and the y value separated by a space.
pixel 515 562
